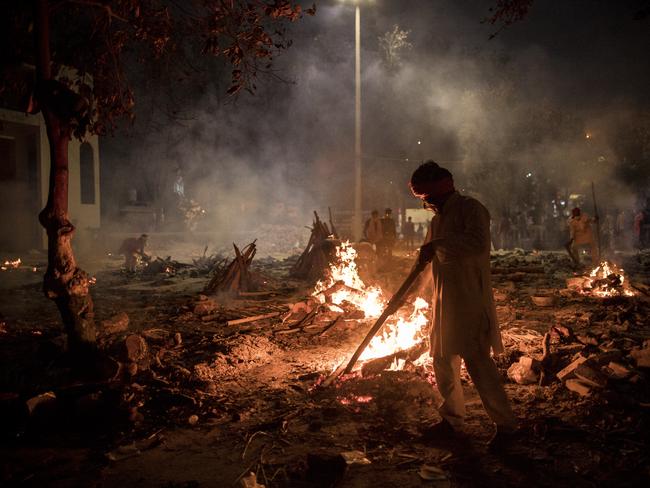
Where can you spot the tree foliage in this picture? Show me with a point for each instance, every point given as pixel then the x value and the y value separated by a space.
pixel 98 37
pixel 392 46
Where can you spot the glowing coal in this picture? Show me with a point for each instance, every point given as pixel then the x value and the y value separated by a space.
pixel 11 264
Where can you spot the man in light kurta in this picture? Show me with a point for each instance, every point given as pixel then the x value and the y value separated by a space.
pixel 464 316
pixel 582 236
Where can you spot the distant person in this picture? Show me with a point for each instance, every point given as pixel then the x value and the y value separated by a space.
pixel 409 233
pixel 642 226
pixel 178 187
pixel 131 248
pixel 622 229
pixel 504 230
pixel 521 229
pixel 421 233
pixel 607 232
pixel 581 236
pixel 372 228
pixel 389 235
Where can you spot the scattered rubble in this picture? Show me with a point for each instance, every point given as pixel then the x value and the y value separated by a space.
pixel 116 324
pixel 576 366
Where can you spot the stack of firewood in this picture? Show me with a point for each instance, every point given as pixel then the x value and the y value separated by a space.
pixel 315 258
pixel 236 277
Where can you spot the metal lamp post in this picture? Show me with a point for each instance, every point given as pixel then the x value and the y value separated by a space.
pixel 357 224
pixel 357 217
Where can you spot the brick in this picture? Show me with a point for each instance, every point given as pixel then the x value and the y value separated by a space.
pixel 578 386
pixel 592 376
pixel 568 370
pixel 641 357
pixel 44 400
pixel 619 370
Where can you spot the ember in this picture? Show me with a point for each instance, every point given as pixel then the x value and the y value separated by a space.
pixel 351 399
pixel 11 264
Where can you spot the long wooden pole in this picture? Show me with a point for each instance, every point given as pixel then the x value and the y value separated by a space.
pixel 593 196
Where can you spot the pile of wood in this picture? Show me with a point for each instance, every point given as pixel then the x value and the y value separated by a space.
pixel 236 277
pixel 316 256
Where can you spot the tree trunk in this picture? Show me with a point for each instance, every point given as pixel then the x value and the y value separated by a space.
pixel 64 282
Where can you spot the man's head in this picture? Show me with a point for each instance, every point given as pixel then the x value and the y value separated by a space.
pixel 432 184
pixel 388 212
pixel 575 212
pixel 410 219
pixel 374 214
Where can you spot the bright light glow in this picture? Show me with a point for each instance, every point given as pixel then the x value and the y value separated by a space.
pixel 11 264
pixel 406 333
pixel 528 175
pixel 402 331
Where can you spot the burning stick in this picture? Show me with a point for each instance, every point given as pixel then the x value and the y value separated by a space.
pixel 393 305
pixel 337 287
pixel 593 196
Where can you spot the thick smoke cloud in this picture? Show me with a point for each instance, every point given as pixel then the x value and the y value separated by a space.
pixel 512 104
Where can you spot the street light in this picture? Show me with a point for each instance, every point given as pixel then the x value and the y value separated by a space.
pixel 357 218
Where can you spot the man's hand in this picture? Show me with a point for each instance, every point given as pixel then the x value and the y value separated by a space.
pixel 427 252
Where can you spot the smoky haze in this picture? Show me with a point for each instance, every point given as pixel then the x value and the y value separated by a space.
pixel 543 102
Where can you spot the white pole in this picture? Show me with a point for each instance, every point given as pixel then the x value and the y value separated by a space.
pixel 357 219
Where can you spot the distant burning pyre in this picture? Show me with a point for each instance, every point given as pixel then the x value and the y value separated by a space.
pixel 605 280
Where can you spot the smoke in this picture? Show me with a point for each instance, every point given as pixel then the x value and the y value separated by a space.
pixel 511 110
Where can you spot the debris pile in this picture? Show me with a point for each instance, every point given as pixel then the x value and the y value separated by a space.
pixel 205 264
pixel 589 351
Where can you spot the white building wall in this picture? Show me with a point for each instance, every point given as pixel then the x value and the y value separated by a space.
pixel 85 217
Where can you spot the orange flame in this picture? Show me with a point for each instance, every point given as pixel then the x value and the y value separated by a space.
pixel 599 285
pixel 401 332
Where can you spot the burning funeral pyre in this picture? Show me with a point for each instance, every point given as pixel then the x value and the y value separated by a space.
pixel 605 280
pixel 343 288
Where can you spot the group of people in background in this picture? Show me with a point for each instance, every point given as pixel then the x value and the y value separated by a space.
pixel 382 232
pixel 620 229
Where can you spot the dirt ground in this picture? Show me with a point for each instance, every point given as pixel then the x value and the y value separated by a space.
pixel 192 401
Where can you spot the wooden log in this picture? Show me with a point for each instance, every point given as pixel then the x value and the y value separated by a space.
pixel 340 286
pixel 330 326
pixel 375 366
pixel 245 320
pixel 254 294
